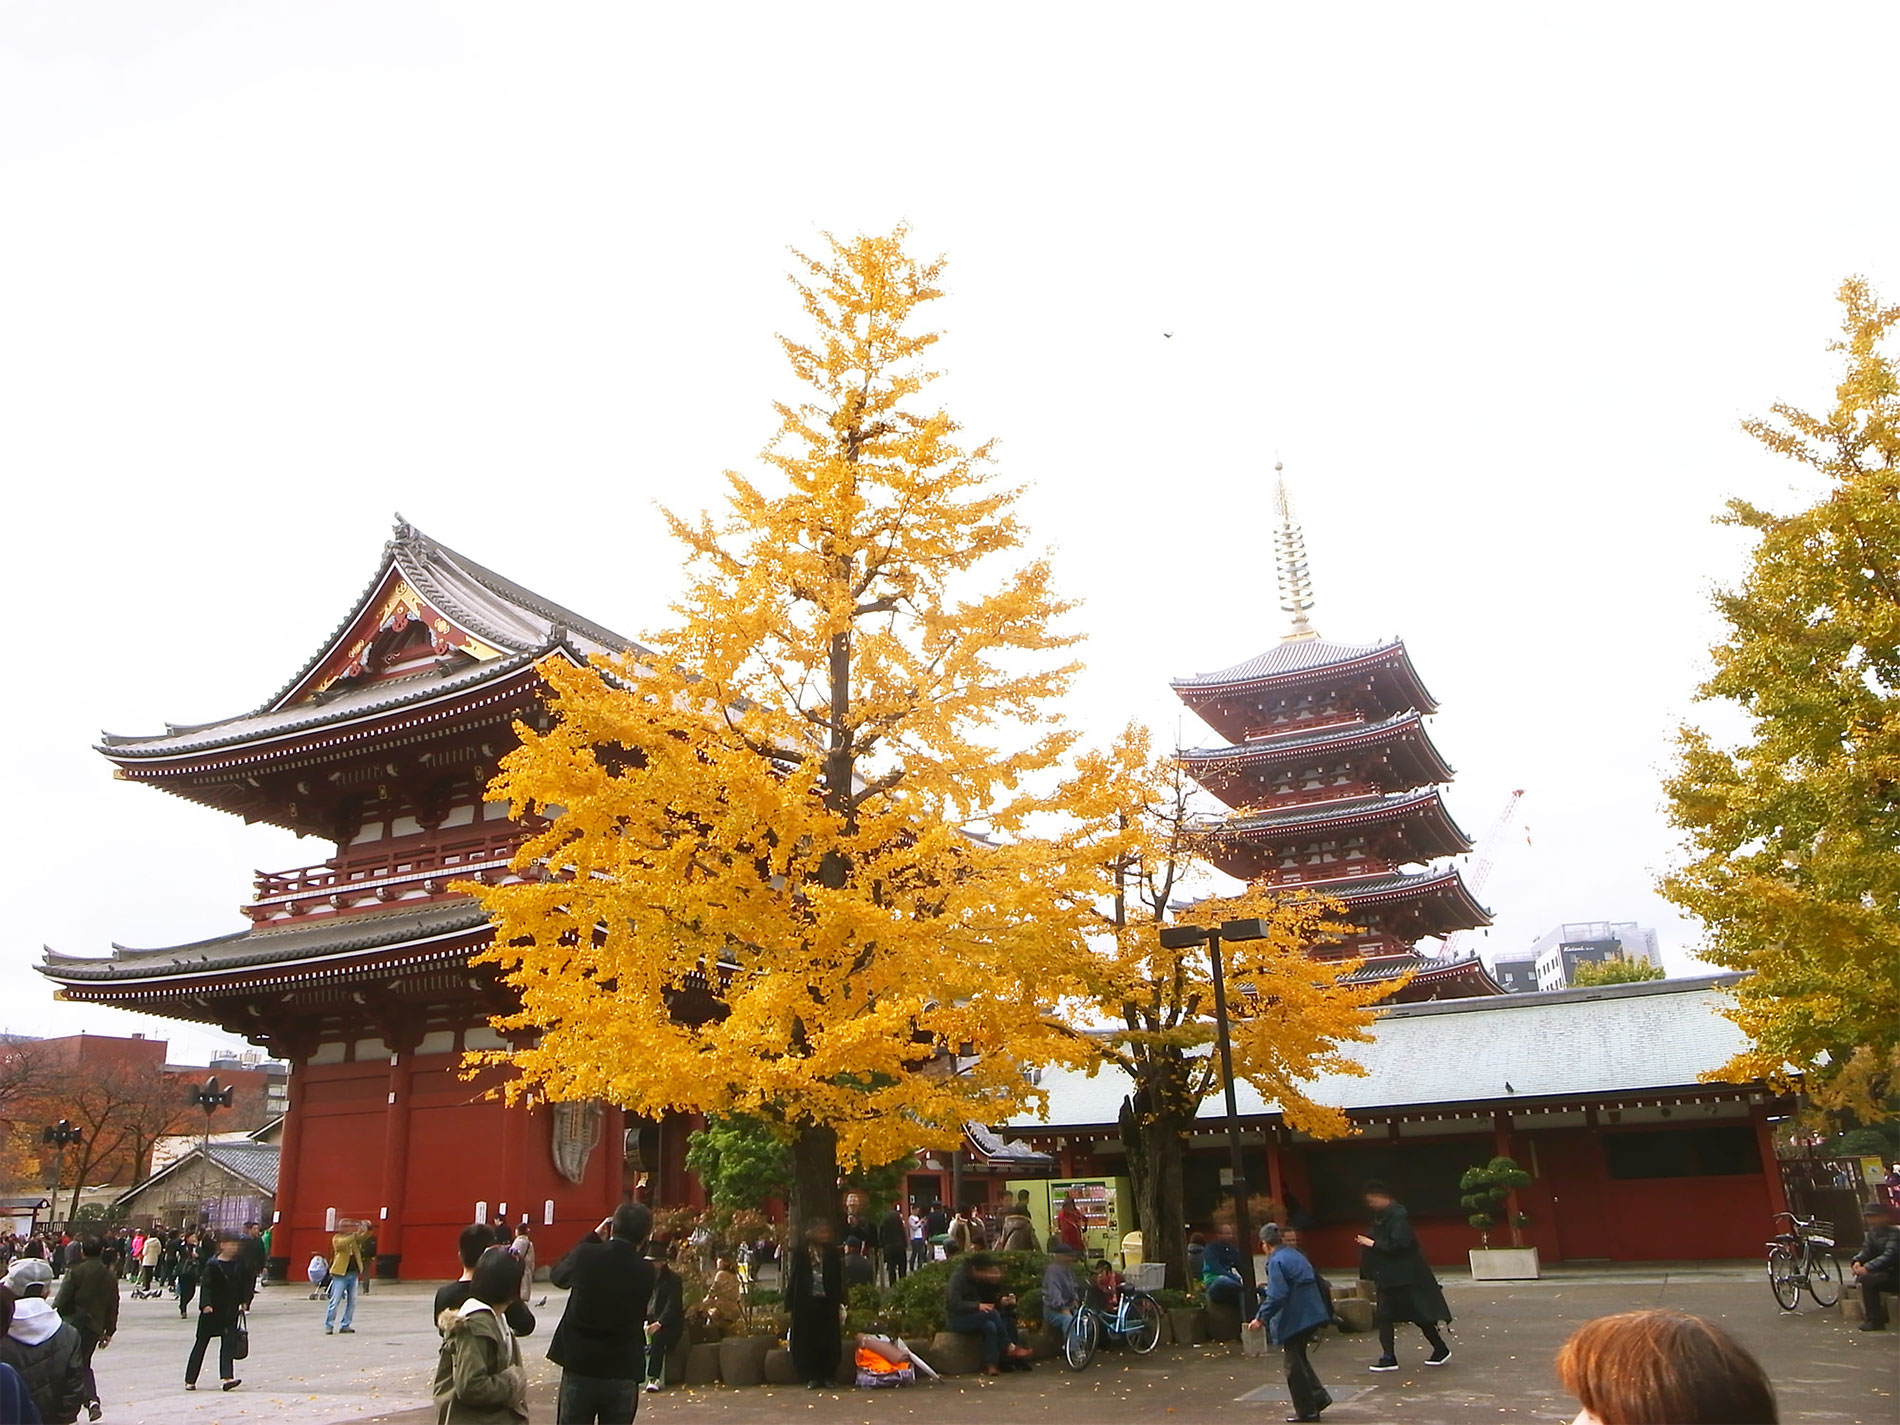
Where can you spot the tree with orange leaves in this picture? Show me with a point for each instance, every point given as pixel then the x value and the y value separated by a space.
pixel 815 859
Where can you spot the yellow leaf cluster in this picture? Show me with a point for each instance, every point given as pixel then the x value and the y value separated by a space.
pixel 758 891
pixel 1292 1015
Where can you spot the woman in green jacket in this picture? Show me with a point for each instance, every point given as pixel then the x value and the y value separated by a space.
pixel 478 1375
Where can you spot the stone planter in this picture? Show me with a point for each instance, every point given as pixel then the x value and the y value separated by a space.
pixel 953 1354
pixel 1504 1264
pixel 1223 1322
pixel 1189 1325
pixel 702 1364
pixel 779 1369
pixel 742 1359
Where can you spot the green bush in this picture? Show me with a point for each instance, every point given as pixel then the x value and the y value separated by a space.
pixel 916 1303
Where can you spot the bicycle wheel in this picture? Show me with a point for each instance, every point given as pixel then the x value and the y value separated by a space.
pixel 1144 1332
pixel 1085 1333
pixel 1824 1279
pixel 1784 1280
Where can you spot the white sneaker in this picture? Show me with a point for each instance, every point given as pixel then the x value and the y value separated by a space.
pixel 651 1388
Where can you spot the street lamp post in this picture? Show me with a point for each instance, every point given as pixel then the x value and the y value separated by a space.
pixel 210 1097
pixel 1183 937
pixel 59 1135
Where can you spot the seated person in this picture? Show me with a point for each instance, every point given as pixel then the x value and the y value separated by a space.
pixel 1197 1249
pixel 1876 1266
pixel 1061 1292
pixel 724 1306
pixel 858 1269
pixel 974 1305
pixel 1220 1268
pixel 1108 1282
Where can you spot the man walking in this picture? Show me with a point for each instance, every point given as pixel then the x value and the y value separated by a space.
pixel 600 1344
pixel 1395 1264
pixel 88 1301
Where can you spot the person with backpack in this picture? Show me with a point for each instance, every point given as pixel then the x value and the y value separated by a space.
pixel 41 1347
pixel 88 1301
pixel 1293 1311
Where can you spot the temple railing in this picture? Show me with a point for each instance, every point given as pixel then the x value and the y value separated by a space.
pixel 402 869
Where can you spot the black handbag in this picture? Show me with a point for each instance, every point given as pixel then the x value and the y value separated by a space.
pixel 239 1339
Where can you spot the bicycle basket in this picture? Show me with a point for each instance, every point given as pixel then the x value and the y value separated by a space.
pixel 1147 1276
pixel 1819 1233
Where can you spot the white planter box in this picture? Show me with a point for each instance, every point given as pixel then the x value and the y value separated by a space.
pixel 1504 1264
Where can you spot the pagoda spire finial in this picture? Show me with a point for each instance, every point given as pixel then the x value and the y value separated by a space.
pixel 1289 563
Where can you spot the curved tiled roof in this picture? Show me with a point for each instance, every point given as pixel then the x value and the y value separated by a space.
pixel 493 608
pixel 515 620
pixel 1345 733
pixel 302 717
pixel 1294 655
pixel 341 934
pixel 1357 811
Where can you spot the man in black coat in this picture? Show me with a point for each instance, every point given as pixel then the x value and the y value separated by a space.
pixel 893 1240
pixel 1394 1262
pixel 600 1344
pixel 814 1299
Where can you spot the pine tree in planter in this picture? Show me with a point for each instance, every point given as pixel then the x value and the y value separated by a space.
pixel 1485 1190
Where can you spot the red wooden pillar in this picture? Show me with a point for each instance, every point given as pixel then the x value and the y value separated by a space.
pixel 513 1158
pixel 1501 1148
pixel 1276 1172
pixel 395 1158
pixel 613 1151
pixel 289 1152
pixel 1770 1161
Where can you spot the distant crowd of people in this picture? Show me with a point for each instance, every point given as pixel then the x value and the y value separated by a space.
pixel 626 1314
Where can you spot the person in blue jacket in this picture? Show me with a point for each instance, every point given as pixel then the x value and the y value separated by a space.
pixel 1291 1313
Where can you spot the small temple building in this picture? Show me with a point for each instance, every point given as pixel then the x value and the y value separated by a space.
pixel 1332 785
pixel 356 969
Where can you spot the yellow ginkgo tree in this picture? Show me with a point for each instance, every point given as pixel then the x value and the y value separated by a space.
pixel 1792 830
pixel 815 860
pixel 1292 1016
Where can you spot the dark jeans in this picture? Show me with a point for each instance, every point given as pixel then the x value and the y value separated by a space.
pixel 211 1327
pixel 1395 1304
pixel 88 1343
pixel 1302 1381
pixel 659 1347
pixel 816 1346
pixel 595 1400
pixel 187 1288
pixel 919 1252
pixel 1871 1286
pixel 989 1325
pixel 1223 1291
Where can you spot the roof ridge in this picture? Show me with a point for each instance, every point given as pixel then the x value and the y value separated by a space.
pixel 519 594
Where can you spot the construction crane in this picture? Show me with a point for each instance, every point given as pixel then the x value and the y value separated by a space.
pixel 1488 848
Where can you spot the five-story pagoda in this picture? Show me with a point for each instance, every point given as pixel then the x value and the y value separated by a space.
pixel 1332 785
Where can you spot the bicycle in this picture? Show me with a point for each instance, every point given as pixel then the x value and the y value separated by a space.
pixel 1798 1258
pixel 1136 1321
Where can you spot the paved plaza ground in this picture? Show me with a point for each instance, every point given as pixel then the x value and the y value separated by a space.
pixel 1503 1342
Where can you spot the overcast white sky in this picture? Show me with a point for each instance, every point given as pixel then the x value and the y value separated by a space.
pixel 1497 283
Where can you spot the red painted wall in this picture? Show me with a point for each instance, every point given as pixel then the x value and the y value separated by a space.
pixel 464 1148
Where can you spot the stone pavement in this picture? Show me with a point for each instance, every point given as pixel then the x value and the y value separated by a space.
pixel 1503 1344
